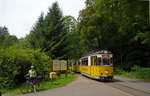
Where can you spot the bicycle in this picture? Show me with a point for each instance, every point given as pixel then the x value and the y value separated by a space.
pixel 26 85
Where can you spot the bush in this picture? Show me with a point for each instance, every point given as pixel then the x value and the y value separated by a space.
pixel 136 72
pixel 15 63
pixel 117 71
pixel 141 73
pixel 135 68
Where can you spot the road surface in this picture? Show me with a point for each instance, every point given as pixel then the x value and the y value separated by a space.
pixel 84 86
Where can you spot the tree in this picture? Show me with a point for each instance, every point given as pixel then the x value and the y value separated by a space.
pixel 118 26
pixel 95 29
pixel 6 39
pixel 130 22
pixel 48 33
pixel 73 50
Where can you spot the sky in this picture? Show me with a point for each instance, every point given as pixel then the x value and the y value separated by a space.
pixel 20 15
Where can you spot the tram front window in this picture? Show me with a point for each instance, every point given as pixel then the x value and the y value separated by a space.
pixel 99 62
pixel 111 61
pixel 106 62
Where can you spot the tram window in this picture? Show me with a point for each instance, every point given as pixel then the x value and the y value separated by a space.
pixel 95 61
pixel 99 61
pixel 86 61
pixel 111 61
pixel 74 64
pixel 82 62
pixel 106 62
pixel 79 63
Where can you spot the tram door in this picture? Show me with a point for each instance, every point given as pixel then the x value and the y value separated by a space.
pixel 92 66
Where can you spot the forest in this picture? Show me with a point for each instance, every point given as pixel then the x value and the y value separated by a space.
pixel 120 26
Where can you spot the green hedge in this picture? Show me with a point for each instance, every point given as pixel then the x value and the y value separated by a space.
pixel 15 63
pixel 142 73
pixel 136 72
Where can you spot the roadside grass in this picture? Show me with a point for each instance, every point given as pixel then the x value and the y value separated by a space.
pixel 136 73
pixel 58 82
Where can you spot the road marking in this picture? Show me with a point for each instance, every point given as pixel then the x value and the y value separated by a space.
pixel 118 90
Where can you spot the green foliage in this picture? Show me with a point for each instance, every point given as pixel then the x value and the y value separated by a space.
pixel 141 73
pixel 130 20
pixel 136 72
pixel 48 33
pixel 55 35
pixel 52 35
pixel 117 71
pixel 6 40
pixel 118 26
pixel 15 63
pixel 72 39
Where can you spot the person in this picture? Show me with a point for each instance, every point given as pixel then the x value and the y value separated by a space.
pixel 32 74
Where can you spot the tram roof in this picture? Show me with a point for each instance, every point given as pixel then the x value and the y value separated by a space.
pixel 97 52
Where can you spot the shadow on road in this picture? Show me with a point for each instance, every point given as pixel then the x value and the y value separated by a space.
pixel 105 81
pixel 109 81
pixel 117 80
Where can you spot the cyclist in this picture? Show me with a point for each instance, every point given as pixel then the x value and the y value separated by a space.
pixel 32 74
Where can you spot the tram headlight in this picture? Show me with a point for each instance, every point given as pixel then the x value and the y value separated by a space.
pixel 106 72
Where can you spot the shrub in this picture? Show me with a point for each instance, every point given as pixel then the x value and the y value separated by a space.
pixel 117 71
pixel 136 72
pixel 15 63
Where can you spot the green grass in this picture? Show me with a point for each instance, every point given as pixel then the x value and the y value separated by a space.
pixel 58 82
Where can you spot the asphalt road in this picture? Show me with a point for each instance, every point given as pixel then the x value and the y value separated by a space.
pixel 84 86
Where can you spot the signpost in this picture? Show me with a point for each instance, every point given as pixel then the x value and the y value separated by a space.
pixel 63 65
pixel 58 65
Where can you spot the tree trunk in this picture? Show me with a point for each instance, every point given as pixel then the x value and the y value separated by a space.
pixel 120 45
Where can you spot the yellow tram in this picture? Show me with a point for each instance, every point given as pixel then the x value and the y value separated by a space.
pixel 95 64
pixel 75 66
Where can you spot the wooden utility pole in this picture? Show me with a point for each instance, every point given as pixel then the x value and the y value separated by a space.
pixel 67 68
pixel 51 65
pixel 59 73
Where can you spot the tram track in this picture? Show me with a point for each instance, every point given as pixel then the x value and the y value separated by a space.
pixel 128 89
